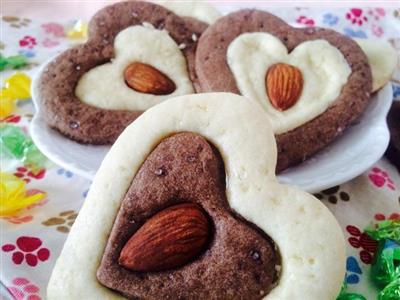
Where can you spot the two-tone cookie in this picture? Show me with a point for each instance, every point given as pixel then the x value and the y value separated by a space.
pixel 194 211
pixel 313 83
pixel 138 54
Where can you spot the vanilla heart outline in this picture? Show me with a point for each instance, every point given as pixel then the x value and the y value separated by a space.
pixel 104 86
pixel 324 70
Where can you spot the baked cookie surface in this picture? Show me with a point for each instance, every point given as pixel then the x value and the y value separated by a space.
pixel 286 243
pixel 314 131
pixel 70 79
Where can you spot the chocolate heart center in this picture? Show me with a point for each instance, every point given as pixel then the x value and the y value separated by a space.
pixel 239 260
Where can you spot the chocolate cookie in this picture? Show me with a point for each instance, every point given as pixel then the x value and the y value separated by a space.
pixel 188 213
pixel 63 78
pixel 393 119
pixel 308 136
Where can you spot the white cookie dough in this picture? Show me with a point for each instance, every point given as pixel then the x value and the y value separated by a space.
pixel 324 70
pixel 104 86
pixel 382 58
pixel 200 10
pixel 309 238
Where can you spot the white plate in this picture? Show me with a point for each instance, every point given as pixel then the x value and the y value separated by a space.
pixel 350 155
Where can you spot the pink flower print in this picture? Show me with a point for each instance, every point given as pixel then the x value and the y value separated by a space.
pixel 377 30
pixel 48 43
pixel 376 13
pixel 55 29
pixel 382 217
pixel 305 21
pixel 23 289
pixel 27 175
pixel 11 119
pixel 18 219
pixel 29 249
pixel 355 15
pixel 380 178
pixel 28 42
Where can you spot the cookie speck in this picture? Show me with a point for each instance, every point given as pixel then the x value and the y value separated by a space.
pixel 105 41
pixel 182 46
pixel 309 30
pixel 160 171
pixel 255 255
pixel 278 268
pixel 73 125
pixel 78 67
pixel 148 25
pixel 135 15
pixel 194 37
pixel 191 159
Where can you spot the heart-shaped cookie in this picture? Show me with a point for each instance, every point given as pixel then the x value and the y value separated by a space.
pixel 309 107
pixel 172 188
pixel 92 91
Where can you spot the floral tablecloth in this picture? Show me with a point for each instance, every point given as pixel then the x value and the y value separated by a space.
pixel 32 239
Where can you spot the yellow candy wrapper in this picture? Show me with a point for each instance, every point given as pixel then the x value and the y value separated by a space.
pixel 13 195
pixel 7 106
pixel 79 31
pixel 16 87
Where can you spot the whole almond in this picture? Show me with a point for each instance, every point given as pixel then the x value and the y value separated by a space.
pixel 147 79
pixel 284 85
pixel 169 239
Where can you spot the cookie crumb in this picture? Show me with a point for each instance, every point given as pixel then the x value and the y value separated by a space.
pixel 255 255
pixel 182 46
pixel 78 67
pixel 278 268
pixel 161 171
pixel 194 37
pixel 74 125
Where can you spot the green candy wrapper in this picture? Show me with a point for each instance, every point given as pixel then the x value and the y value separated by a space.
pixel 15 143
pixel 14 62
pixel 344 295
pixel 385 271
pixel 391 291
pixel 387 229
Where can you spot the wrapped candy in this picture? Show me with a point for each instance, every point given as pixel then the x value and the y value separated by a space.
pixel 391 291
pixel 79 31
pixel 15 143
pixel 14 62
pixel 387 229
pixel 344 295
pixel 14 196
pixel 386 267
pixel 16 87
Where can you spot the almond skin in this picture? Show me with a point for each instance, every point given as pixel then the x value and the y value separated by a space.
pixel 147 79
pixel 284 85
pixel 169 239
